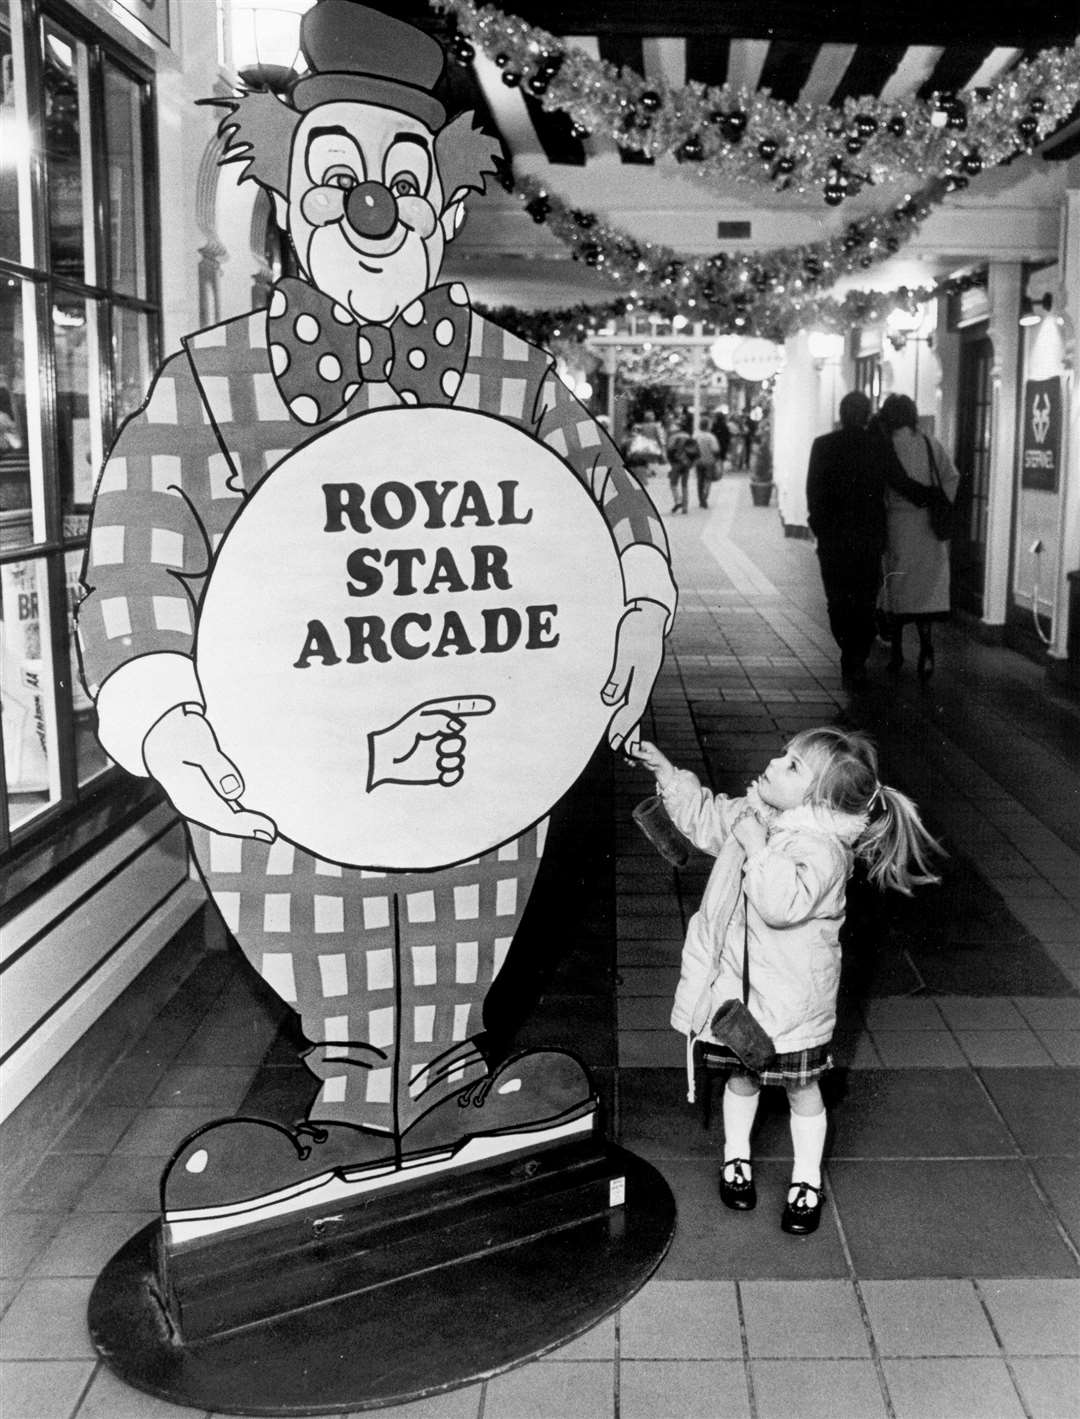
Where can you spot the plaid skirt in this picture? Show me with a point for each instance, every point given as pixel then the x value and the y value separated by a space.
pixel 801 1066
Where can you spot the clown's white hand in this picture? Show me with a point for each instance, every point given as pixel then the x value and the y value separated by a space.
pixel 426 745
pixel 182 753
pixel 639 649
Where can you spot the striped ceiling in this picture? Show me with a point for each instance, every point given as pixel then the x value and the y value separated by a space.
pixel 800 51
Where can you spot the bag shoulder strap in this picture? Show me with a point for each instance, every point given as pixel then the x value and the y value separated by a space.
pixel 746 952
pixel 934 474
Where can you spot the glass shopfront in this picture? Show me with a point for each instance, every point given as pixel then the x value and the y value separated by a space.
pixel 79 337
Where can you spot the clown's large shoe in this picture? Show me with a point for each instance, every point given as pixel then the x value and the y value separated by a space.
pixel 240 1176
pixel 320 1269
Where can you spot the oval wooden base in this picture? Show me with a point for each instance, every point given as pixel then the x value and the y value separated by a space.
pixel 453 1326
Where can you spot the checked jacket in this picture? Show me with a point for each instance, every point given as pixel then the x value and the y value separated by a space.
pixel 387 971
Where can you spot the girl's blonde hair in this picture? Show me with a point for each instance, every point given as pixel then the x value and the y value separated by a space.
pixel 895 845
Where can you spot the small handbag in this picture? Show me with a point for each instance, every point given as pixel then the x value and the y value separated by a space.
pixel 734 1027
pixel 655 822
pixel 943 520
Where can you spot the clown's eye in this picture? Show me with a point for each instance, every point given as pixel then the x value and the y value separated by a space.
pixel 405 185
pixel 344 178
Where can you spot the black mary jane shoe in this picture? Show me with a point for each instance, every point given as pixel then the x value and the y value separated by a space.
pixel 801 1216
pixel 738 1192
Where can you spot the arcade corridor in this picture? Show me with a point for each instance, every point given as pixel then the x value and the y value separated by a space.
pixel 945 1280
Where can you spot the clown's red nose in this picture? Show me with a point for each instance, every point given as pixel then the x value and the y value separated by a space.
pixel 371 210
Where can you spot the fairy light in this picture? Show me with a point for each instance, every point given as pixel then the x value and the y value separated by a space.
pixel 728 134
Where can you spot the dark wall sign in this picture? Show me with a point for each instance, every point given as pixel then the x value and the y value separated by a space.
pixel 1040 439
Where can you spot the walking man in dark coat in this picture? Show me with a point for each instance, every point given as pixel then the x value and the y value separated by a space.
pixel 845 497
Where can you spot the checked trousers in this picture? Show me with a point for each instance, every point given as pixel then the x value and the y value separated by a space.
pixel 388 971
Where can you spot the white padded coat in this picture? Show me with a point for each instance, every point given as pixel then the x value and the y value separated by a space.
pixel 794 895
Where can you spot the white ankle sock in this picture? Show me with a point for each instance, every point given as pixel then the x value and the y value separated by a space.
pixel 808 1142
pixel 739 1113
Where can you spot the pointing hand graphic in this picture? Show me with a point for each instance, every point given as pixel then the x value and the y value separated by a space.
pixel 426 745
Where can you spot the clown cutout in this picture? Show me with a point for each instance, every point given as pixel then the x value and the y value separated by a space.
pixel 366 586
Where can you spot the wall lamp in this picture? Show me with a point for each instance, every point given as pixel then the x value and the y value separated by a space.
pixel 1032 312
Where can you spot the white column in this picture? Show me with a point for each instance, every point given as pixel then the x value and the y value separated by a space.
pixel 1004 296
pixel 1069 544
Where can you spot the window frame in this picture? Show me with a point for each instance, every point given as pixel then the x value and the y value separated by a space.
pixel 75 802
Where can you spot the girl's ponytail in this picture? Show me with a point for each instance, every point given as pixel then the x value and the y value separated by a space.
pixel 896 846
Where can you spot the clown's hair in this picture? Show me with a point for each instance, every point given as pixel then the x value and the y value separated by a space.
pixel 258 127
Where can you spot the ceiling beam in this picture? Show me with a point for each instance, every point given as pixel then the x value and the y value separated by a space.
pixel 929 22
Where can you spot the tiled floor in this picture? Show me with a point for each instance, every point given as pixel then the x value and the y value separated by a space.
pixel 945 1280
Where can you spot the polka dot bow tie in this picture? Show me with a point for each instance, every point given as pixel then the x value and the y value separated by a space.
pixel 320 355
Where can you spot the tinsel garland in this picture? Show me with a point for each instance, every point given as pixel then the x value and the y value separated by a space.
pixel 725 133
pixel 856 308
pixel 737 290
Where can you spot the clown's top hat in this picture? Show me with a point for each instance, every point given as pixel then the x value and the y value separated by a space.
pixel 359 54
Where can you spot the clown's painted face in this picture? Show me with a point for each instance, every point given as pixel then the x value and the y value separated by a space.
pixel 365 207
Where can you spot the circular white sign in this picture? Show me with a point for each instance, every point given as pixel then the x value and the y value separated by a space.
pixel 405 635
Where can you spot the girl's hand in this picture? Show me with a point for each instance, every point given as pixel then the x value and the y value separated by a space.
pixel 649 755
pixel 749 832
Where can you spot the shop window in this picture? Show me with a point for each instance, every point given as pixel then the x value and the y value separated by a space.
pixel 79 339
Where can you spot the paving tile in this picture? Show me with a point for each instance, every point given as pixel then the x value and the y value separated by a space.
pixel 1063 1046
pixel 464 1403
pixel 56 1183
pixel 188 1086
pixel 646 1013
pixel 659 1049
pixel 158 1132
pixel 96 1129
pixel 946 1218
pixel 576 1389
pixel 125 1184
pixel 42 1389
pixel 1060 1178
pixel 1003 1049
pixel 682 1389
pixel 1049 1014
pixel 87 1240
pixel 927 1318
pixel 110 1398
pixel 1035 1317
pixel 1011 968
pixel 973 1012
pixel 899 1012
pixel 47 1321
pixel 714 1244
pixel 911 1049
pixel 682 1320
pixel 1049 1386
pixel 817 1389
pixel 952 1389
pixel 656 1120
pixel 1041 1107
pixel 803 1320
pixel 23 1237
pixel 597 1343
pixel 916 1113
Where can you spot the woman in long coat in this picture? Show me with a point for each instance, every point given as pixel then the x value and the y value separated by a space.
pixel 916 561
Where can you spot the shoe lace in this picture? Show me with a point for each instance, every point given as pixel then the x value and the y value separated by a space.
pixel 476 1093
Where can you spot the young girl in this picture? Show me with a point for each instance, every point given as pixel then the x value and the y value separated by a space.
pixel 784 853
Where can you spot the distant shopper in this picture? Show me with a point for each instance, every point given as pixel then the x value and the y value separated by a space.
pixel 916 560
pixel 707 468
pixel 721 432
pixel 845 495
pixel 682 454
pixel 776 895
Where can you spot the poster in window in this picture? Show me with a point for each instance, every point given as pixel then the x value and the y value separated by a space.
pixel 1040 442
pixel 154 14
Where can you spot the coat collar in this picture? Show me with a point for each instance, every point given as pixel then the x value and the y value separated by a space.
pixel 816 818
